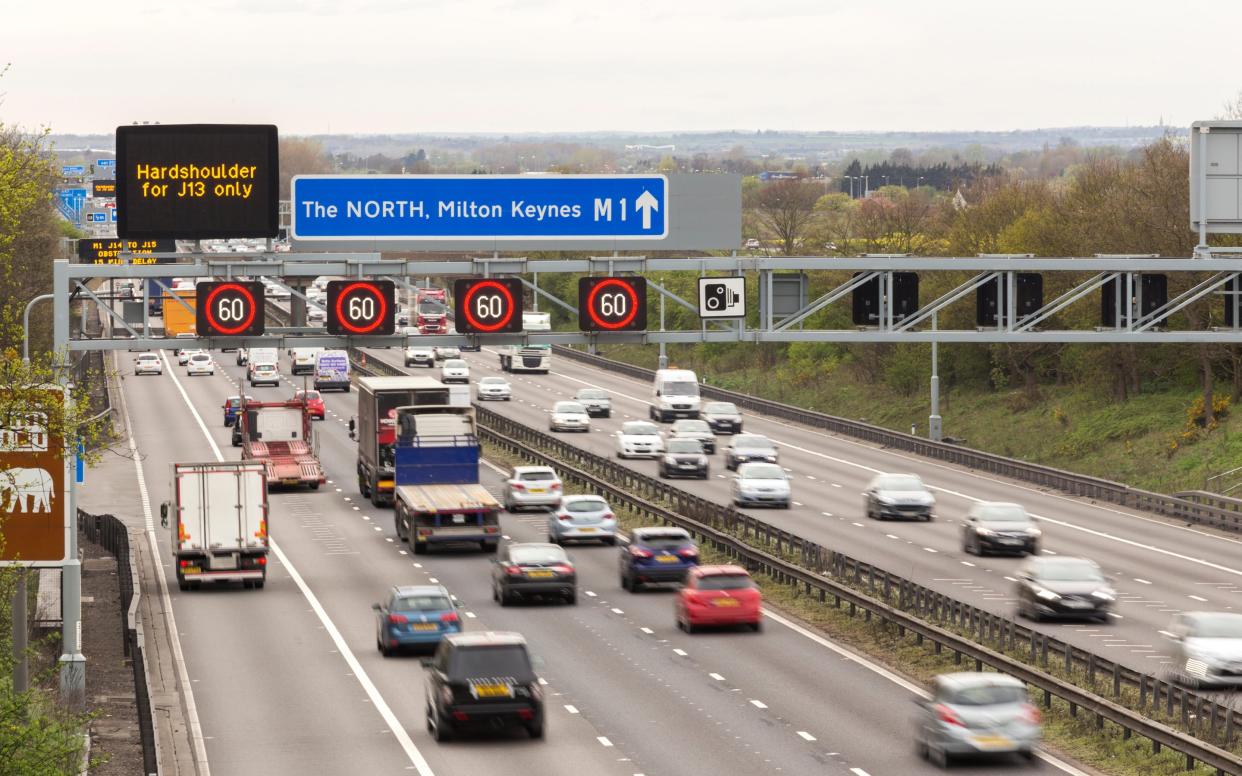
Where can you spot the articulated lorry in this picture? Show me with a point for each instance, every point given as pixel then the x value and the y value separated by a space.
pixel 375 427
pixel 219 520
pixel 438 496
pixel 278 434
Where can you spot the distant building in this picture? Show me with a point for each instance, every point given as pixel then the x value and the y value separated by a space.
pixel 771 175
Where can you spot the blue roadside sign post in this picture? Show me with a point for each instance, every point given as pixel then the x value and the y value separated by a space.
pixel 515 207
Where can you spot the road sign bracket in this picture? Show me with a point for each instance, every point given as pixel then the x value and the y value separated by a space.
pixel 99 303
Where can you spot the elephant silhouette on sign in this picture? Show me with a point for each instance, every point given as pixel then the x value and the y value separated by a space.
pixel 26 490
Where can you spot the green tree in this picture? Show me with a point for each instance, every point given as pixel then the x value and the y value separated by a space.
pixel 787 209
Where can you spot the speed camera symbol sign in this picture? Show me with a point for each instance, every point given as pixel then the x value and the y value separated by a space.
pixel 723 297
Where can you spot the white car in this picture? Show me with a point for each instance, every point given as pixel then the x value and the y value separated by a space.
pixel 455 371
pixel 184 356
pixel 148 364
pixel 639 439
pixel 264 374
pixel 443 352
pixel 569 416
pixel 495 389
pixel 415 356
pixel 761 483
pixel 200 364
pixel 316 314
pixel 533 486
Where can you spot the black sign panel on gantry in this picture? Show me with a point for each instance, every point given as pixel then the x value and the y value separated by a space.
pixel 197 181
pixel 229 309
pixel 361 307
pixel 612 304
pixel 487 306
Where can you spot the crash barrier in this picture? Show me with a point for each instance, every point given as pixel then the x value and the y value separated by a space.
pixel 111 534
pixel 1201 513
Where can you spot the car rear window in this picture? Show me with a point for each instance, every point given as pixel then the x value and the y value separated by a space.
pixel 507 660
pixel 666 542
pixel 585 505
pixel 537 555
pixel 312 394
pixel 422 603
pixel 986 695
pixel 725 582
pixel 536 476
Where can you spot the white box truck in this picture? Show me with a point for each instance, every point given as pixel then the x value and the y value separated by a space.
pixel 219 520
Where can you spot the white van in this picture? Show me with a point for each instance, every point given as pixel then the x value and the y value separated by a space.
pixel 332 370
pixel 304 360
pixel 676 395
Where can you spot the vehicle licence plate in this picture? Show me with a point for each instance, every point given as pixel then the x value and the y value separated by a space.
pixel 586 530
pixel 423 626
pixel 724 602
pixel 536 490
pixel 992 742
pixel 666 558
pixel 1010 541
pixel 191 570
pixel 1076 604
pixel 540 574
pixel 491 691
pixel 459 519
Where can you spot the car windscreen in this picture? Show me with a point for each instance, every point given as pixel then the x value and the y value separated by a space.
pixel 901 483
pixel 536 476
pixel 681 389
pixel 1217 626
pixel 639 429
pixel 752 443
pixel 1003 514
pixel 720 408
pixel 985 695
pixel 1069 572
pixel 569 407
pixel 725 582
pixel 422 603
pixel 685 446
pixel 585 505
pixel 590 393
pixel 501 660
pixel 763 472
pixel 537 555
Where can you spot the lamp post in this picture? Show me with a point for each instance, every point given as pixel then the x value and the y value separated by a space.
pixel 26 326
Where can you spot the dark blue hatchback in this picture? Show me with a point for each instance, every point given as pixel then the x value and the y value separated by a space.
pixel 657 555
pixel 414 615
pixel 231 407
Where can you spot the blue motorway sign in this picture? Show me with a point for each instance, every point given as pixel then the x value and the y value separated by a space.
pixel 515 207
pixel 102 163
pixel 97 217
pixel 72 169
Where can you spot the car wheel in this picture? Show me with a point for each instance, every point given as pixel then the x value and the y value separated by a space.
pixel 936 754
pixel 688 626
pixel 442 733
pixel 554 539
pixel 536 731
pixel 572 598
pixel 385 651
pixel 757 626
pixel 490 547
pixel 503 598
pixel 628 583
pixel 611 541
pixel 1030 755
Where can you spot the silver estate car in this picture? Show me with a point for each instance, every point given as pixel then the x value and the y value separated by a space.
pixel 976 714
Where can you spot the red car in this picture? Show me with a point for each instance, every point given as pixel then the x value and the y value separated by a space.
pixel 718 595
pixel 314 402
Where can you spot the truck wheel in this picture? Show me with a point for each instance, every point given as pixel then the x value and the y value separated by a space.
pixel 490 547
pixel 364 487
pixel 378 498
pixel 314 485
pixel 397 522
pixel 183 585
pixel 420 548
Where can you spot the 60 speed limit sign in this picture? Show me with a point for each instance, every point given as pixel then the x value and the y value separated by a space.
pixel 229 309
pixel 487 305
pixel 361 307
pixel 612 304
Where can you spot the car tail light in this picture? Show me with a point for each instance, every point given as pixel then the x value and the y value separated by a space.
pixel 398 619
pixel 526 714
pixel 1031 714
pixel 947 715
pixel 517 486
pixel 185 564
pixel 513 571
pixel 639 552
pixel 688 552
pixel 261 560
pixel 562 568
pixel 564 516
pixel 449 617
pixel 609 516
pixel 555 486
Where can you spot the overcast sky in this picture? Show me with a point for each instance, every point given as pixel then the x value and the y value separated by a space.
pixel 372 66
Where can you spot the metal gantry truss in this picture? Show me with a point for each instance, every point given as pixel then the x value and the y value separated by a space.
pixel 1136 322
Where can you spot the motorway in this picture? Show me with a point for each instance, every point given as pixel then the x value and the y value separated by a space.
pixel 287 680
pixel 1159 567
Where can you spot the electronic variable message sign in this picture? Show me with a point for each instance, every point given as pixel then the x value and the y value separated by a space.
pixel 361 307
pixel 229 308
pixel 103 188
pixel 107 250
pixel 612 304
pixel 487 305
pixel 197 181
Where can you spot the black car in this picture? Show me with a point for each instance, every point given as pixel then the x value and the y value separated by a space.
pixel 533 570
pixel 1064 587
pixel 482 681
pixel 684 458
pixel 993 526
pixel 722 416
pixel 657 555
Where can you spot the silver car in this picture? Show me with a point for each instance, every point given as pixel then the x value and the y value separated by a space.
pixel 533 486
pixel 569 416
pixel 750 447
pixel 495 389
pixel 1208 651
pixel 761 483
pixel 694 429
pixel 583 517
pixel 976 714
pixel 898 496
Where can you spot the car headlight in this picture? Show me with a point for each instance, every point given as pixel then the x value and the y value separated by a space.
pixel 1047 595
pixel 885 500
pixel 670 459
pixel 1104 595
pixel 985 532
pixel 1034 532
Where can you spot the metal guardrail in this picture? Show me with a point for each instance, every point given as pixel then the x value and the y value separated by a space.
pixel 892 599
pixel 1046 476
pixel 1211 499
pixel 111 534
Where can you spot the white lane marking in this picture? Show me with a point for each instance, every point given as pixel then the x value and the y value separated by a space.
pixel 679 652
pixel 471 615
pixel 758 704
pixel 859 772
pixel 617 611
pixel 968 563
pixel 590 593
pixel 826 514
pixel 648 631
pixel 717 677
pixel 806 736
pixel 1142 581
pixel 860 525
pixel 571 709
pixel 603 740
pixel 373 693
pixel 929 549
pixel 1199 598
pixel 183 677
pixel 891 536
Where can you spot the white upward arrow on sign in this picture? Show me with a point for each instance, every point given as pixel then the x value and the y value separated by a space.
pixel 647 203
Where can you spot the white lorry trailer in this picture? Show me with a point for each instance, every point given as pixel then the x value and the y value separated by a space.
pixel 219 520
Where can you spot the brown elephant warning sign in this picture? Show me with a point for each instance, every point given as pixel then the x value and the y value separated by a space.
pixel 33 499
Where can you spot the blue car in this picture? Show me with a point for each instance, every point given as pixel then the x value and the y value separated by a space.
pixel 231 407
pixel 657 555
pixel 414 616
